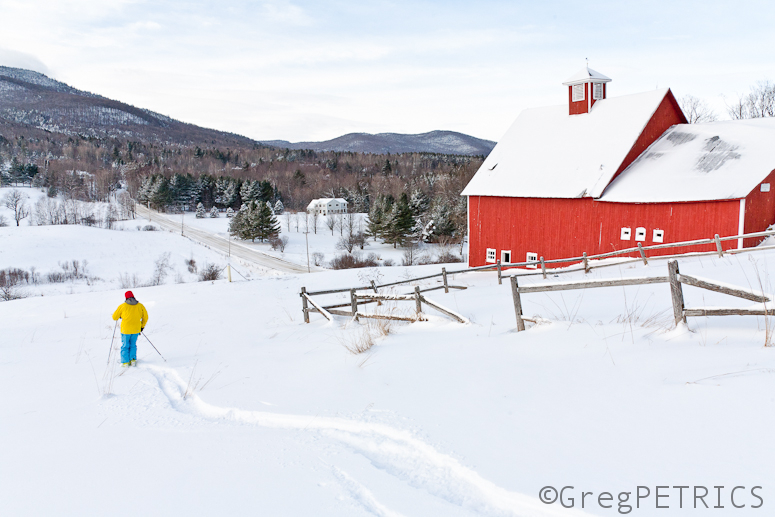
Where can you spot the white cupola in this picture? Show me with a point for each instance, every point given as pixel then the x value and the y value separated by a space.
pixel 585 87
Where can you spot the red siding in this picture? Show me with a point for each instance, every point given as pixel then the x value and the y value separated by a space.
pixel 558 228
pixel 759 210
pixel 667 114
pixel 577 108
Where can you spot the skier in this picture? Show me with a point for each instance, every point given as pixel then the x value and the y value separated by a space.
pixel 134 318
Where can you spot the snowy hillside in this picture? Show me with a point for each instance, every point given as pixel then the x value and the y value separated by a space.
pixel 255 412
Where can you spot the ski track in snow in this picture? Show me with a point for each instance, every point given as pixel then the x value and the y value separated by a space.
pixel 363 495
pixel 392 450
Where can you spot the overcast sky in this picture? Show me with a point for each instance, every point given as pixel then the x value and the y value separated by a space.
pixel 303 70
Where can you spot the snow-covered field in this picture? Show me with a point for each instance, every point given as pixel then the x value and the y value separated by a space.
pixel 256 413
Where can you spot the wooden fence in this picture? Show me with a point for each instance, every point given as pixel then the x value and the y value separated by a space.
pixel 585 261
pixel 674 278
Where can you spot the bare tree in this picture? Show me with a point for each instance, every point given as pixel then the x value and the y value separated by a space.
pixel 314 222
pixel 696 110
pixel 331 223
pixel 287 215
pixel 757 103
pixel 17 201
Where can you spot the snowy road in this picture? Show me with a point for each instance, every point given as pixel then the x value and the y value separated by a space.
pixel 219 243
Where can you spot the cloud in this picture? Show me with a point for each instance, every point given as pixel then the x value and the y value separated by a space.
pixel 16 59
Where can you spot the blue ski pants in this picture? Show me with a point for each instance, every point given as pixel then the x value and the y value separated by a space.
pixel 128 347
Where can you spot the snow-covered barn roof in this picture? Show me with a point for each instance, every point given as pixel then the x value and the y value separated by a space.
pixel 548 153
pixel 585 75
pixel 697 162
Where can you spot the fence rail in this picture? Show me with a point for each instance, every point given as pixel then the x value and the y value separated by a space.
pixel 674 278
pixel 586 266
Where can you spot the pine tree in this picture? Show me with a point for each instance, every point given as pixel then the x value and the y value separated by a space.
pixel 230 212
pixel 266 223
pixel 279 208
pixel 419 203
pixel 400 224
pixel 200 211
pixel 214 212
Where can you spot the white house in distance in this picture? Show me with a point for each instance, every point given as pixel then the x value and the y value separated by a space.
pixel 327 205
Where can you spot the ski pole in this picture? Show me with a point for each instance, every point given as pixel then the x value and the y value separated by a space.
pixel 154 346
pixel 110 352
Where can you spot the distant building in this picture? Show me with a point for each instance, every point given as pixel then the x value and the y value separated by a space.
pixel 599 174
pixel 327 205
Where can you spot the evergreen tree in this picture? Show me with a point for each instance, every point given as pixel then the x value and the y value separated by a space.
pixel 214 212
pixel 230 212
pixel 250 191
pixel 266 191
pixel 226 192
pixel 279 208
pixel 400 223
pixel 266 223
pixel 378 216
pixel 419 203
pixel 200 211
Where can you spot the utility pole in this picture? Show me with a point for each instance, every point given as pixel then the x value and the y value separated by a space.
pixel 182 216
pixel 149 211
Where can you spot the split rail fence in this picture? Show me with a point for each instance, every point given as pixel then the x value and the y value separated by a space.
pixel 585 264
pixel 674 278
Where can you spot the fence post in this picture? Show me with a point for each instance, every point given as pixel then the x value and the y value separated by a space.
pixel 444 276
pixel 354 304
pixel 718 246
pixel 500 278
pixel 543 267
pixel 374 286
pixel 228 271
pixel 586 263
pixel 676 292
pixel 517 304
pixel 643 254
pixel 418 300
pixel 304 306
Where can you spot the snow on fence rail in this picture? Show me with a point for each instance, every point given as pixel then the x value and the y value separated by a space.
pixel 674 278
pixel 584 259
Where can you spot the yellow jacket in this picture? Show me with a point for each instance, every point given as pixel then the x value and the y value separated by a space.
pixel 133 317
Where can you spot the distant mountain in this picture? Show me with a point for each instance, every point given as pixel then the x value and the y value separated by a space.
pixel 32 100
pixel 444 142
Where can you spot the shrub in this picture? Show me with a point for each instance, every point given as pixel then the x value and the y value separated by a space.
pixel 3 221
pixel 317 258
pixel 278 242
pixel 355 260
pixel 388 263
pixel 149 228
pixel 191 265
pixel 209 272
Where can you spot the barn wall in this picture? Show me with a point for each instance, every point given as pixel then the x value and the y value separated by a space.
pixel 558 228
pixel 759 210
pixel 577 108
pixel 667 114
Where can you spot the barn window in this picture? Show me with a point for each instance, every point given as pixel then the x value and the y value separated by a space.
pixel 578 92
pixel 597 91
pixel 640 234
pixel 626 234
pixel 490 255
pixel 765 187
pixel 532 257
pixel 659 236
pixel 505 256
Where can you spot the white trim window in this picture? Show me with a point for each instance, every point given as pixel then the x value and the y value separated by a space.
pixel 765 187
pixel 505 256
pixel 640 233
pixel 490 256
pixel 659 235
pixel 597 91
pixel 626 234
pixel 532 257
pixel 578 92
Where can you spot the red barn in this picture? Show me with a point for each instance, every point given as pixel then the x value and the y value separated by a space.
pixel 601 174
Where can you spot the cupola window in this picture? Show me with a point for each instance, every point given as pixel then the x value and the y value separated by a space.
pixel 578 92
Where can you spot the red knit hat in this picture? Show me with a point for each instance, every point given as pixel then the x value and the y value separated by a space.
pixel 128 294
